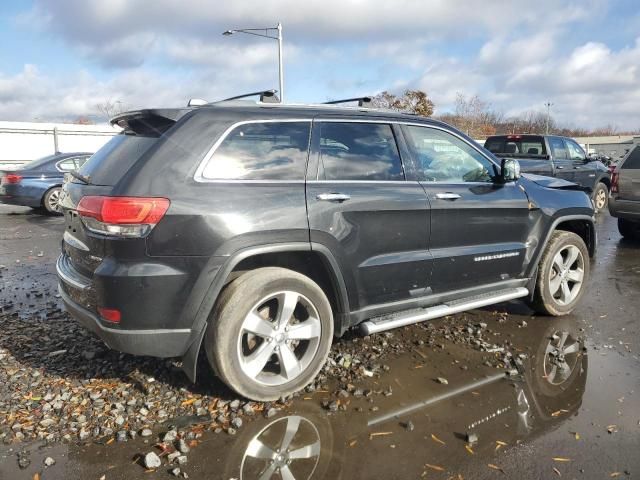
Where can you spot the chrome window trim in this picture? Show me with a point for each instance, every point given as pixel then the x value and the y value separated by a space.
pixel 198 177
pixel 64 160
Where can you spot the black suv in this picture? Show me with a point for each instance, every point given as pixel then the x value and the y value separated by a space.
pixel 259 231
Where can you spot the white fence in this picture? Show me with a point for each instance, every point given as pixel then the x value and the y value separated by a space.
pixel 21 142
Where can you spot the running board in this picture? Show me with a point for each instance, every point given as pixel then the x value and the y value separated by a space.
pixel 402 319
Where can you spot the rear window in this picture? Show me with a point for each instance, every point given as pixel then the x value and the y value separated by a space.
pixel 632 162
pixel 115 158
pixel 261 151
pixel 516 145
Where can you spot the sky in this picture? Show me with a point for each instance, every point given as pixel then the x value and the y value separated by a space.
pixel 61 58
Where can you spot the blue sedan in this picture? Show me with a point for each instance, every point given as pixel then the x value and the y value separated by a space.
pixel 38 183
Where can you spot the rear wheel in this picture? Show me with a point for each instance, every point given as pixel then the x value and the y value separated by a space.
pixel 600 197
pixel 628 228
pixel 562 274
pixel 51 201
pixel 270 333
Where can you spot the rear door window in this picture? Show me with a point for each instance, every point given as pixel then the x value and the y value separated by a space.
pixel 558 150
pixel 358 151
pixel 516 145
pixel 261 151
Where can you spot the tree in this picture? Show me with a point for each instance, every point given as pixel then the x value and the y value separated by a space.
pixel 412 101
pixel 110 109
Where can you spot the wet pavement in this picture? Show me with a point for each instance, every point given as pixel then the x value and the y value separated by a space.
pixel 493 393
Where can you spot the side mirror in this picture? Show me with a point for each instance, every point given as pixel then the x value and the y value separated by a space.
pixel 509 170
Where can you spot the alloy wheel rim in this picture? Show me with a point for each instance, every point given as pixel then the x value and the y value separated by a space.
pixel 601 199
pixel 282 446
pixel 560 358
pixel 566 275
pixel 54 201
pixel 279 338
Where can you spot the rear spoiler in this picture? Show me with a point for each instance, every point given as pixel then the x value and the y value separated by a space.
pixel 149 121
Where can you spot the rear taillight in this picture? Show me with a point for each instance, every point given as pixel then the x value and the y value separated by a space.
pixel 122 216
pixel 614 182
pixel 9 178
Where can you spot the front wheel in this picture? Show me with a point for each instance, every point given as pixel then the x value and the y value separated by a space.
pixel 562 274
pixel 600 197
pixel 270 333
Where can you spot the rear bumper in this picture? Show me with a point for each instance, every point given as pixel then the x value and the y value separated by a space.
pixel 155 343
pixel 627 209
pixel 76 292
pixel 24 195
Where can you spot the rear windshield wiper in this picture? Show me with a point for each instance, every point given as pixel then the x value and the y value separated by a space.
pixel 80 177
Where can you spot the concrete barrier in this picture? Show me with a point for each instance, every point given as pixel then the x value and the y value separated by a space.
pixel 21 142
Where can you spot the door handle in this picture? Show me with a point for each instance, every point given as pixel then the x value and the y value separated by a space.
pixel 333 197
pixel 447 196
pixel 559 167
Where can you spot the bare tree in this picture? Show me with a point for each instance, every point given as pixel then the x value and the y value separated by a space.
pixel 110 109
pixel 412 101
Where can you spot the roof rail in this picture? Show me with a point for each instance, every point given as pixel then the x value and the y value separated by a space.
pixel 362 101
pixel 266 96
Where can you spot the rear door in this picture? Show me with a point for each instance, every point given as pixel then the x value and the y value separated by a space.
pixel 563 166
pixel 529 150
pixel 360 206
pixel 479 226
pixel 629 177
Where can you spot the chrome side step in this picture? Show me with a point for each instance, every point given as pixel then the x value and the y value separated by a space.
pixel 387 322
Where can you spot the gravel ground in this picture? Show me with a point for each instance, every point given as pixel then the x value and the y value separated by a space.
pixel 62 386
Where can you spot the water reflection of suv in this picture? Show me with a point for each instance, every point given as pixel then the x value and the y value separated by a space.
pixel 260 231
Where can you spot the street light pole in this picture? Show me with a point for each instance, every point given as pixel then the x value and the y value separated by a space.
pixel 280 61
pixel 254 31
pixel 548 105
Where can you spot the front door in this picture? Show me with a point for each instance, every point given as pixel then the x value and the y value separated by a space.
pixel 583 171
pixel 360 206
pixel 479 226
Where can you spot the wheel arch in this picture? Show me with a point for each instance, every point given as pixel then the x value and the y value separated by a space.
pixel 312 260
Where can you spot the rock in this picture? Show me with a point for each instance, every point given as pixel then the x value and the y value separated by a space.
pixel 170 436
pixel 272 412
pixel 236 422
pixel 23 460
pixel 83 435
pixel 47 422
pixel 175 472
pixel 442 380
pixel 182 460
pixel 146 432
pixel 172 456
pixel 120 420
pixel 88 354
pixel 471 438
pixel 182 446
pixel 234 405
pixel 248 409
pixel 152 461
pixel 409 426
pixel 122 436
pixel 231 431
pixel 48 462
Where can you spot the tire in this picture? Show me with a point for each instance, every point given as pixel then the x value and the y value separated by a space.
pixel 247 349
pixel 50 201
pixel 600 197
pixel 628 229
pixel 555 273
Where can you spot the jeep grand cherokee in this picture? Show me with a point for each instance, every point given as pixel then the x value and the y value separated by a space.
pixel 260 231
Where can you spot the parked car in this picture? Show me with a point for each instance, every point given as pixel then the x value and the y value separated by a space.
pixel 555 156
pixel 625 194
pixel 38 183
pixel 258 231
